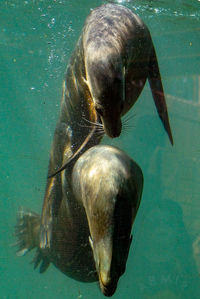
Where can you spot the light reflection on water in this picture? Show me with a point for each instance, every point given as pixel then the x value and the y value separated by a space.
pixel 162 8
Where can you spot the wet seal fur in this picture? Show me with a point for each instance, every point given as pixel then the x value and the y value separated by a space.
pixel 106 74
pixel 119 56
pixel 111 62
pixel 92 235
pixel 96 90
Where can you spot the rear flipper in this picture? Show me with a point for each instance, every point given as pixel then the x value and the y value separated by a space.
pixel 27 231
pixel 158 93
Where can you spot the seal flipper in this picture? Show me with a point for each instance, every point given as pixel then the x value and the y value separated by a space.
pixel 40 258
pixel 158 92
pixel 76 154
pixel 51 205
pixel 27 231
pixel 81 148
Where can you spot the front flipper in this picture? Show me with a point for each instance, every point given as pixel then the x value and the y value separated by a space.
pixel 61 151
pixel 158 92
pixel 42 260
pixel 51 205
pixel 77 153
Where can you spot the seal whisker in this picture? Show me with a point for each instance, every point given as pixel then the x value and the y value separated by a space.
pixel 98 135
pixel 85 126
pixel 126 130
pixel 126 124
pixel 127 120
pixel 128 117
pixel 129 125
pixel 100 129
pixel 93 123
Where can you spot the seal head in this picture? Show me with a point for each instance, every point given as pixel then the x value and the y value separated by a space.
pixel 109 185
pixel 106 81
pixel 119 57
pixel 91 236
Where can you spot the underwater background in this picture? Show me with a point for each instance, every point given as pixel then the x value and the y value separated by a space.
pixel 36 41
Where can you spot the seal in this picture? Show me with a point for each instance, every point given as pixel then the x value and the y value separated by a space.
pixel 111 62
pixel 92 235
pixel 109 185
pixel 95 85
pixel 119 56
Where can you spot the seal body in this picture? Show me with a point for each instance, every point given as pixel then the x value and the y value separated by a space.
pixel 106 192
pixel 105 76
pixel 107 71
pixel 74 131
pixel 111 62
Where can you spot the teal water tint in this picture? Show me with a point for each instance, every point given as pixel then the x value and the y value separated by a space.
pixel 36 40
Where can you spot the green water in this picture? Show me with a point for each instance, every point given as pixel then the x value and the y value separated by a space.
pixel 36 39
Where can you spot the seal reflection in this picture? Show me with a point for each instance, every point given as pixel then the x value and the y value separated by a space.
pixel 92 234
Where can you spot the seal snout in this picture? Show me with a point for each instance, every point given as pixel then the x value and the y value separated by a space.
pixel 112 129
pixel 108 287
pixel 114 134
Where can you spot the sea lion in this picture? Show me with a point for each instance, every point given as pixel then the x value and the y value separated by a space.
pixel 127 60
pixel 74 134
pixel 106 74
pixel 111 62
pixel 109 185
pixel 92 235
pixel 119 57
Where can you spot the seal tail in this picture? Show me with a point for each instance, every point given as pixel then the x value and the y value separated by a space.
pixel 27 231
pixel 158 93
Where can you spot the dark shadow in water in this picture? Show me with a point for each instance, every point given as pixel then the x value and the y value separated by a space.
pixel 165 267
pixel 163 262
